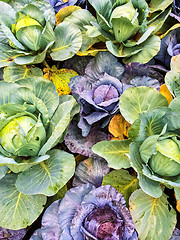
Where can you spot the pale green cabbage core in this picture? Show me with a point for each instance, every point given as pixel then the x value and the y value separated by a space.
pixel 23 136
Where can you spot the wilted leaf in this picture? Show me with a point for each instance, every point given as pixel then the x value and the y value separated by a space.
pixel 154 218
pixel 166 93
pixel 122 181
pixel 119 127
pixel 60 78
pixel 177 25
pixel 65 12
pixel 83 145
pixel 91 170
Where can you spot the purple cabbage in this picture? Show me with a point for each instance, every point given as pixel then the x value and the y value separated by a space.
pixel 170 46
pixel 88 213
pixel 176 10
pixel 7 234
pixel 98 91
pixel 59 4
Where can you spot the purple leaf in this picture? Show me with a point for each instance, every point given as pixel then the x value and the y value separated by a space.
pixel 91 170
pixel 7 234
pixel 78 144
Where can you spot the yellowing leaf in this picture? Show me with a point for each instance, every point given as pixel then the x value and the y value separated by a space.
pixel 122 181
pixel 119 127
pixel 166 93
pixel 177 25
pixel 91 52
pixel 177 204
pixel 60 78
pixel 65 12
pixel 175 60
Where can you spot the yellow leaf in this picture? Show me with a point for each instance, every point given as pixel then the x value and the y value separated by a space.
pixel 119 127
pixel 60 78
pixel 177 25
pixel 177 204
pixel 91 52
pixel 65 12
pixel 166 93
pixel 175 63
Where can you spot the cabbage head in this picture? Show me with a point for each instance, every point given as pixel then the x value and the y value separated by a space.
pixel 127 27
pixel 86 213
pixel 27 34
pixel 155 151
pixel 33 120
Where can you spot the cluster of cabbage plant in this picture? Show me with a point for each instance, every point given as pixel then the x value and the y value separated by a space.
pixel 127 27
pixel 28 34
pixel 99 89
pixel 153 147
pixel 33 120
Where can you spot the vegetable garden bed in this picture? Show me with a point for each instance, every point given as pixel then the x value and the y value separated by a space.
pixel 89 120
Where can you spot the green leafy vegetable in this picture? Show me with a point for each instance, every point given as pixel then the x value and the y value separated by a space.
pixel 33 119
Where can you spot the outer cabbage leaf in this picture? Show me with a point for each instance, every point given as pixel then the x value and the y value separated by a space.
pixel 83 20
pixel 18 165
pixel 159 5
pixel 27 58
pixel 141 53
pixel 15 205
pixel 60 122
pixel 172 80
pixel 68 41
pixel 7 55
pixel 3 171
pixel 103 10
pixel 125 183
pixel 149 216
pixel 103 63
pixel 65 12
pixel 60 78
pixel 115 152
pixel 136 100
pixel 48 176
pixel 15 73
